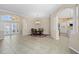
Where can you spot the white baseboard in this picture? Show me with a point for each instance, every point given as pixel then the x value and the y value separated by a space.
pixel 74 50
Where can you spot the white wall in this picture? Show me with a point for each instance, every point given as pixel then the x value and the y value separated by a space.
pixel 74 39
pixel 29 22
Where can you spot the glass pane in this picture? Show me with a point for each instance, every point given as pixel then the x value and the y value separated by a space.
pixel 7 28
pixel 13 27
pixel 6 18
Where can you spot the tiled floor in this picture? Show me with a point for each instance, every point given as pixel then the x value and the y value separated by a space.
pixel 34 45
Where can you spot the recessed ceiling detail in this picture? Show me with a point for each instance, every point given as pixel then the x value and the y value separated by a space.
pixel 35 10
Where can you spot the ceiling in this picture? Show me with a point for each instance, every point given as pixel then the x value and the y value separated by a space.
pixel 35 10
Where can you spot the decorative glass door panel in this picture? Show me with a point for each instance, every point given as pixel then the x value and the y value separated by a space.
pixel 14 28
pixel 10 26
pixel 7 28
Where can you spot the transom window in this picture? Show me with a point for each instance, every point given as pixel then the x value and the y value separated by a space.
pixel 6 18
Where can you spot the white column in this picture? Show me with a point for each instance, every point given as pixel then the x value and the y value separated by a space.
pixel 75 20
pixel 57 31
pixel 54 28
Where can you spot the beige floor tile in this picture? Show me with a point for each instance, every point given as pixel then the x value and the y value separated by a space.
pixel 34 45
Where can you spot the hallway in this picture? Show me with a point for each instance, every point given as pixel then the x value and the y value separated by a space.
pixel 54 20
pixel 34 45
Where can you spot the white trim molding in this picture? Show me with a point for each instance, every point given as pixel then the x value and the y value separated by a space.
pixel 74 50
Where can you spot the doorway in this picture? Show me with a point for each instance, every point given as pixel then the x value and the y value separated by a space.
pixel 9 26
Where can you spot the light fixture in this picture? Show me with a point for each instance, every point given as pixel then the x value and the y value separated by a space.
pixel 37 22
